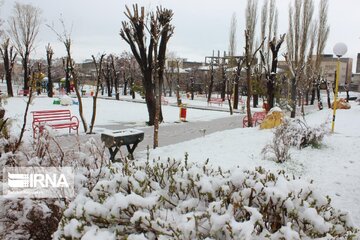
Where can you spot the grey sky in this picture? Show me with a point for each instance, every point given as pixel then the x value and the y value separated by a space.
pixel 200 25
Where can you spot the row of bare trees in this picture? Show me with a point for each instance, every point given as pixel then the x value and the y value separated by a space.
pixel 305 42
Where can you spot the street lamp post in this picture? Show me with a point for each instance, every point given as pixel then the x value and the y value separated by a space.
pixel 339 50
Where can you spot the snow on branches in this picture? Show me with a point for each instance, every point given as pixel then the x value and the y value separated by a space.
pixel 176 200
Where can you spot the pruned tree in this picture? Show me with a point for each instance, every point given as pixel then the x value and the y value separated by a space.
pixel 234 62
pixel 212 75
pixel 65 38
pixel 98 68
pixel 270 52
pixel 250 52
pixel 300 18
pixel 49 56
pixel 159 32
pixel 309 80
pixel 323 30
pixel 9 56
pixel 239 65
pixel 24 24
pixel 170 71
pixel 106 72
pixel 115 75
pixel 223 67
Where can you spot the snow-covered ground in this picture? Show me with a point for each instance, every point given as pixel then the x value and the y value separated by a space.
pixel 335 167
pixel 108 111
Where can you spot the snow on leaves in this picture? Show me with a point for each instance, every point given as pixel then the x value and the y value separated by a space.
pixel 177 200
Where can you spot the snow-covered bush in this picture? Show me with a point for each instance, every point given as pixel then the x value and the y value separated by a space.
pixel 293 133
pixel 301 135
pixel 177 200
pixel 278 149
pixel 27 218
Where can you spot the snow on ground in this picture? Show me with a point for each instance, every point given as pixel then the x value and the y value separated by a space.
pixel 335 167
pixel 108 112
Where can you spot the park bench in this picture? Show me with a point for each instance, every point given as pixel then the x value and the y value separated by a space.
pixel 218 101
pixel 21 92
pixel 56 119
pixel 257 118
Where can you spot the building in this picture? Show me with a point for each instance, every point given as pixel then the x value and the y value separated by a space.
pixel 358 63
pixel 329 64
pixel 355 82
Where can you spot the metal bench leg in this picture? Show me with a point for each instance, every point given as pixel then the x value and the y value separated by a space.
pixel 131 150
pixel 113 153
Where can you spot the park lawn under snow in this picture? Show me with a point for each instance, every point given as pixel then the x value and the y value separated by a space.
pixel 108 112
pixel 335 167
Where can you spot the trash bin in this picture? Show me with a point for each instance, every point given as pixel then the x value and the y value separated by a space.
pixel 183 112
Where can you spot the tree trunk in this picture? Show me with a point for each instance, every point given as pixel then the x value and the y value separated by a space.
pixel 9 84
pixel 26 73
pixel 98 67
pixel 9 61
pixel 109 87
pixel 81 113
pixel 149 97
pixel 223 84
pixel 50 82
pixel 312 95
pixel 249 92
pixel 271 91
pixel 328 94
pixel 192 89
pixel 293 97
pixel 255 100
pixel 67 75
pixel 236 85
pixel 211 82
pixel 117 94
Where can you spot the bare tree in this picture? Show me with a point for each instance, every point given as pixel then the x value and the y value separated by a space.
pixel 106 72
pixel 49 56
pixel 65 38
pixel 134 33
pixel 300 17
pixel 170 71
pixel 270 52
pixel 115 75
pixel 322 36
pixel 24 27
pixel 9 57
pixel 250 52
pixel 212 74
pixel 98 67
pixel 234 62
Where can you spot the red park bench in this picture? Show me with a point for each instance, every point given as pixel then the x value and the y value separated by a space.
pixel 56 119
pixel 21 92
pixel 218 101
pixel 257 118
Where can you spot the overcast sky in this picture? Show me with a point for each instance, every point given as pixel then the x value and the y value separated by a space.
pixel 201 26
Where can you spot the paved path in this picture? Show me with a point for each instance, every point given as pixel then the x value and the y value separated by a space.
pixel 168 133
pixel 183 131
